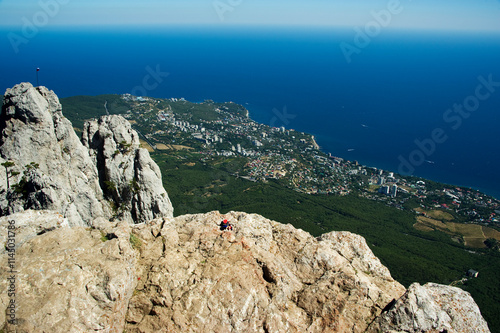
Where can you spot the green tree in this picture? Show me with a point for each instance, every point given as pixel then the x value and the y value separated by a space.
pixel 492 243
pixel 9 173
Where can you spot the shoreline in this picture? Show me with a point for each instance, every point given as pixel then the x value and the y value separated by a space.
pixel 315 144
pixel 373 165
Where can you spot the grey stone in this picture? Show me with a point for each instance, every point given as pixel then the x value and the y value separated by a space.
pixel 127 173
pixel 33 130
pixel 70 280
pixel 57 172
pixel 432 308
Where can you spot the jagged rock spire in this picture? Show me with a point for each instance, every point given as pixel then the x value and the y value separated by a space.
pixel 127 173
pixel 54 170
pixel 63 176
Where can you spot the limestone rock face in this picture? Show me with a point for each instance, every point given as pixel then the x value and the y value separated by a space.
pixel 186 275
pixel 262 277
pixel 432 308
pixel 29 224
pixel 53 170
pixel 127 173
pixel 69 279
pixel 61 175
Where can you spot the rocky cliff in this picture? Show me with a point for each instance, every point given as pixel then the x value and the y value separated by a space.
pixel 185 275
pixel 50 168
pixel 127 173
pixel 81 272
pixel 62 177
pixel 263 277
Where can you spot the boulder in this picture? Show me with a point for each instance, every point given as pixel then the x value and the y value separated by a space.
pixel 432 308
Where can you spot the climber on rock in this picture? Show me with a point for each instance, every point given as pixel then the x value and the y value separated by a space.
pixel 226 226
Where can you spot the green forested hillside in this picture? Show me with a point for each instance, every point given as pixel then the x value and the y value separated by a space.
pixel 80 108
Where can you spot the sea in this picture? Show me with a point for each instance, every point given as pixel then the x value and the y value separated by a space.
pixel 420 103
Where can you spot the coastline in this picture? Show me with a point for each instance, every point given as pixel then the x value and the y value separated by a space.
pixel 323 84
pixel 495 194
pixel 314 143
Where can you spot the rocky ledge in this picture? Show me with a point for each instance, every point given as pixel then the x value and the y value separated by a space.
pixel 186 275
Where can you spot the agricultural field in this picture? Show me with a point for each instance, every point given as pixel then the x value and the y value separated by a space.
pixel 436 214
pixel 428 224
pixel 144 144
pixel 161 146
pixel 473 235
pixel 491 233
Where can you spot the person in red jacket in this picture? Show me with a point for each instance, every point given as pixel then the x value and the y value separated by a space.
pixel 225 225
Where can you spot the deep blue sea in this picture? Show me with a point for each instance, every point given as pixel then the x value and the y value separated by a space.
pixel 396 90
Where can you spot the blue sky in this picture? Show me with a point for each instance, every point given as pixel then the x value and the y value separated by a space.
pixel 470 15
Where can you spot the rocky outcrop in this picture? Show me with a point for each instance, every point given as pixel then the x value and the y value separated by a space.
pixel 127 173
pixel 192 277
pixel 185 275
pixel 69 279
pixel 28 225
pixel 432 308
pixel 263 277
pixel 55 170
pixel 51 169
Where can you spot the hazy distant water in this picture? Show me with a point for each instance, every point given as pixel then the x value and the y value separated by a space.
pixel 395 91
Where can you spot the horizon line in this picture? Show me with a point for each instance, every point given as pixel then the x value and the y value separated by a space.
pixel 222 26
